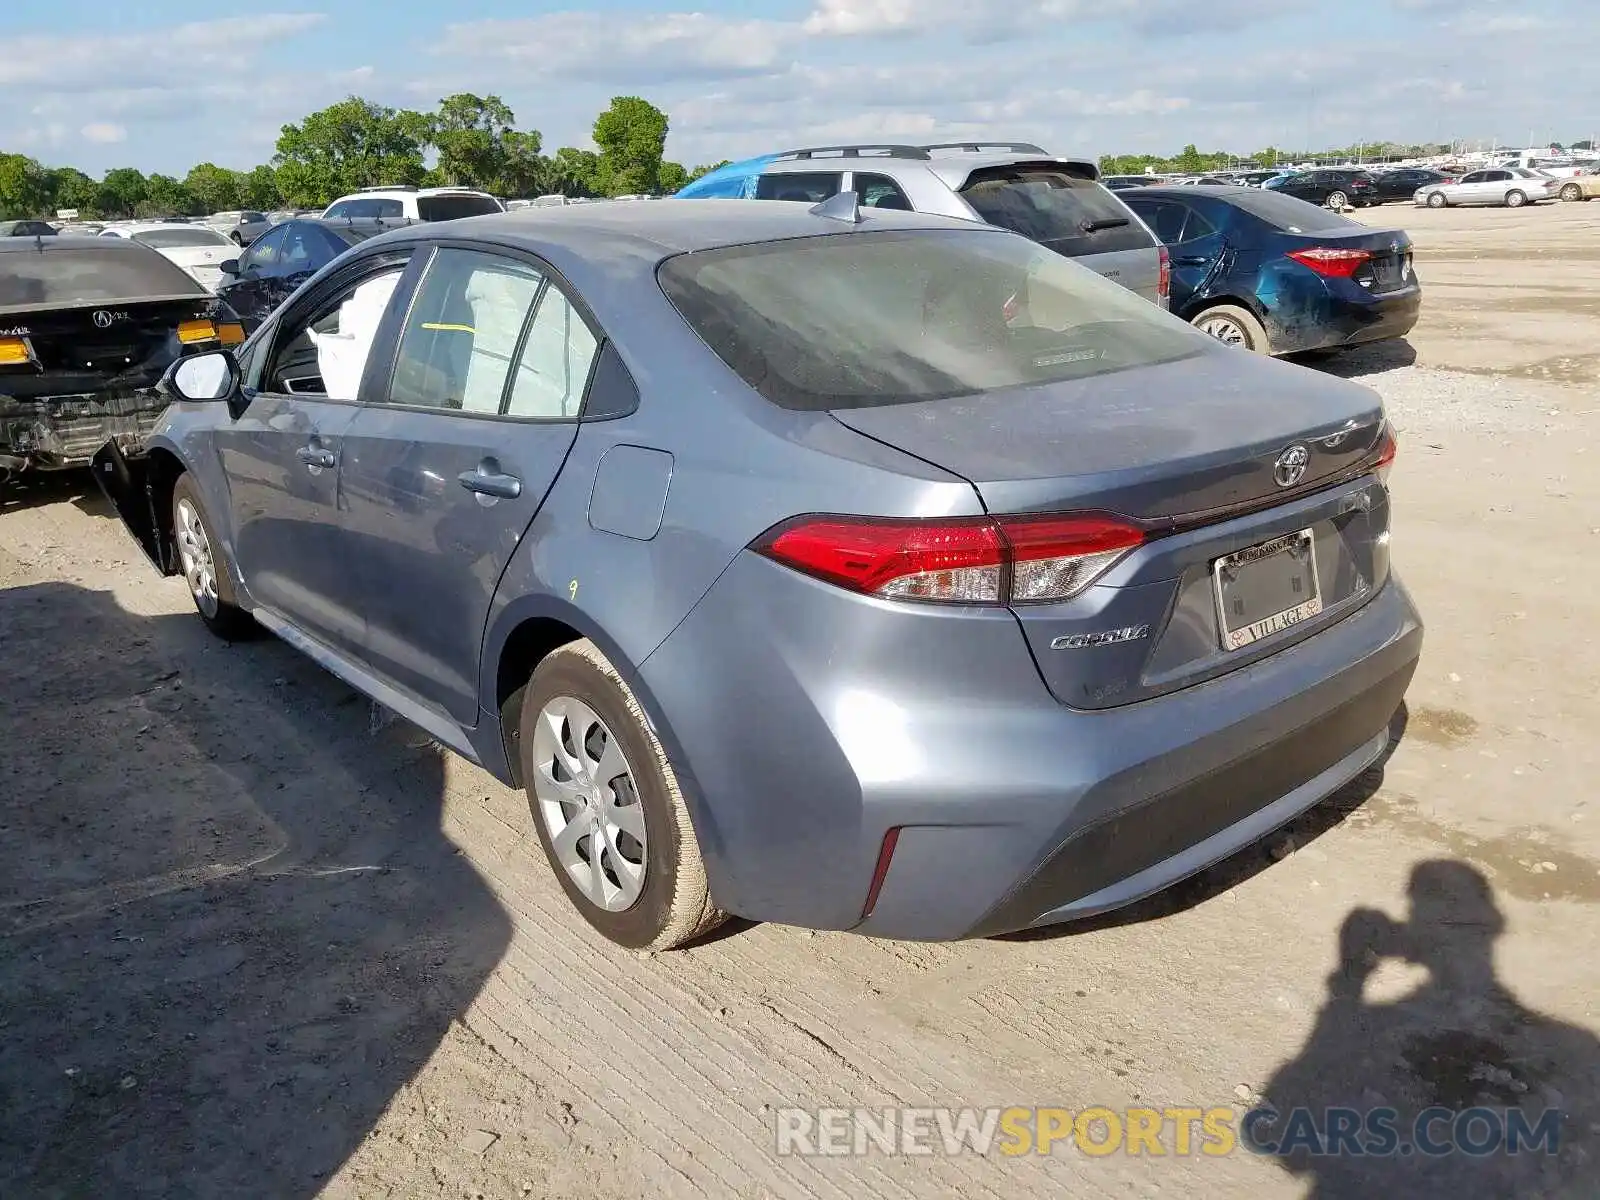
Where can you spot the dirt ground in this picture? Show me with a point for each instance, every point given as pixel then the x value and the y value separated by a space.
pixel 254 942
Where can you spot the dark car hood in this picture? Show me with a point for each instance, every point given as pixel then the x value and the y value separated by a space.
pixel 1191 436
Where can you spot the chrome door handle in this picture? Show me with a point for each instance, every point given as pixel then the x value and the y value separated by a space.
pixel 501 487
pixel 315 456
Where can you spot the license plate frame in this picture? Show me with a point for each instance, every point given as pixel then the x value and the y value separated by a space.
pixel 1253 627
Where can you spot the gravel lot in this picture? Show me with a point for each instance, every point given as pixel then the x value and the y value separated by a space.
pixel 254 943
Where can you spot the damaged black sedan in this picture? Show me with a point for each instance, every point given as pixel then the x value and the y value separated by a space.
pixel 88 326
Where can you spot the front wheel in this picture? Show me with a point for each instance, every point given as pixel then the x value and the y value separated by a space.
pixel 1571 192
pixel 205 566
pixel 238 239
pixel 1233 326
pixel 1337 201
pixel 607 807
pixel 1436 200
pixel 1516 199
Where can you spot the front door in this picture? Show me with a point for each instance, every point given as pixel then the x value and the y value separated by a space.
pixel 443 475
pixel 282 455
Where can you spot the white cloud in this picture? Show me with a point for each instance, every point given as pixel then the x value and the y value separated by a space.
pixel 645 47
pixel 104 132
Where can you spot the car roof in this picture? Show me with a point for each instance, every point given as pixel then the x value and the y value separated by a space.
pixel 65 241
pixel 954 167
pixel 672 226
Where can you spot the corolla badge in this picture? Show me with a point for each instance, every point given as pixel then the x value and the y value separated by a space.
pixel 1102 637
pixel 1291 465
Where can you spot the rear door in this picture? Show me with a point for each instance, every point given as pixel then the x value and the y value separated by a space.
pixel 447 464
pixel 282 455
pixel 1073 216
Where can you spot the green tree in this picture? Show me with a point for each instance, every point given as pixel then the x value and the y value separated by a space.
pixel 349 145
pixel 25 189
pixel 71 188
pixel 632 136
pixel 573 173
pixel 214 188
pixel 671 177
pixel 705 169
pixel 258 189
pixel 121 192
pixel 165 197
pixel 477 144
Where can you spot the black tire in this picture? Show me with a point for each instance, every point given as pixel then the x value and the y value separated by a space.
pixel 1571 192
pixel 238 238
pixel 674 905
pixel 1516 199
pixel 1437 200
pixel 1337 200
pixel 1252 333
pixel 224 617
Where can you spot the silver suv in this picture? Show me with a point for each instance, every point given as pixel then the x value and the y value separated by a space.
pixel 1058 202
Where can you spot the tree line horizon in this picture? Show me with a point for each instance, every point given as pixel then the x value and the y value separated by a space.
pixel 473 142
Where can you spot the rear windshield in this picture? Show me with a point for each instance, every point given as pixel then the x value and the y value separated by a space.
pixel 867 319
pixel 448 208
pixel 1070 215
pixel 178 238
pixel 1292 215
pixel 97 273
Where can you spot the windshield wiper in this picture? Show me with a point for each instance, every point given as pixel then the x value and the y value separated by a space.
pixel 1103 223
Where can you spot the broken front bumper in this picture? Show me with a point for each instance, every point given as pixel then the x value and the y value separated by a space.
pixel 53 432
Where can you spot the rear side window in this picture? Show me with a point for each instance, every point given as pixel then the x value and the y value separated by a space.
pixel 180 238
pixel 1292 215
pixel 1070 215
pixel 450 208
pixel 1165 217
pixel 113 269
pixel 811 187
pixel 867 319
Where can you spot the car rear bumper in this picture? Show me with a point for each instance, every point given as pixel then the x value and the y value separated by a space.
pixel 1347 320
pixel 53 432
pixel 807 723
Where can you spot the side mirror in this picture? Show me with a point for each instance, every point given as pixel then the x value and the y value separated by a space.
pixel 230 267
pixel 203 378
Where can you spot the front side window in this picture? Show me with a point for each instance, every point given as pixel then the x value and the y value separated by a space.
pixel 461 335
pixel 264 251
pixel 867 319
pixel 813 186
pixel 325 356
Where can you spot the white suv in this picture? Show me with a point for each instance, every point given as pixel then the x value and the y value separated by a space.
pixel 412 204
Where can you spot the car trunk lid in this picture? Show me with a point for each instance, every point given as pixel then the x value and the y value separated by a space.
pixel 1211 455
pixel 99 345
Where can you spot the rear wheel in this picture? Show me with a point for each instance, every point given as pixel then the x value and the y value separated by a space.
pixel 607 806
pixel 1516 199
pixel 1337 200
pixel 1436 200
pixel 1233 326
pixel 238 238
pixel 1571 192
pixel 205 567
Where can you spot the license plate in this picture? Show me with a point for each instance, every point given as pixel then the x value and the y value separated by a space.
pixel 1267 588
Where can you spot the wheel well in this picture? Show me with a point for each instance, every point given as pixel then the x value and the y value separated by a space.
pixel 1197 306
pixel 524 650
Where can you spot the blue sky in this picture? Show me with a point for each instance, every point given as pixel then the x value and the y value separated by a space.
pixel 167 85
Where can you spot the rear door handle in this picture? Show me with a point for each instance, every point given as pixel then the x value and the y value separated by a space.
pixel 315 456
pixel 490 483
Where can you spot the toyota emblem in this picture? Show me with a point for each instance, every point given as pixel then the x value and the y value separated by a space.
pixel 102 319
pixel 1291 465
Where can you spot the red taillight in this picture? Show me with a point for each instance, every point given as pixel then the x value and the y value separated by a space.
pixel 1388 447
pixel 1336 262
pixel 1164 279
pixel 973 560
pixel 880 871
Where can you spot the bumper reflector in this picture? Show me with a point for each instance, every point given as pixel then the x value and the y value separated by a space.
pixel 885 857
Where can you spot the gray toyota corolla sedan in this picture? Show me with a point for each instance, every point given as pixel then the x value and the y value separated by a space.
pixel 850 569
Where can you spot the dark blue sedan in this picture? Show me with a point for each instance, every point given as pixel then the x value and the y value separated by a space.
pixel 288 254
pixel 1278 275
